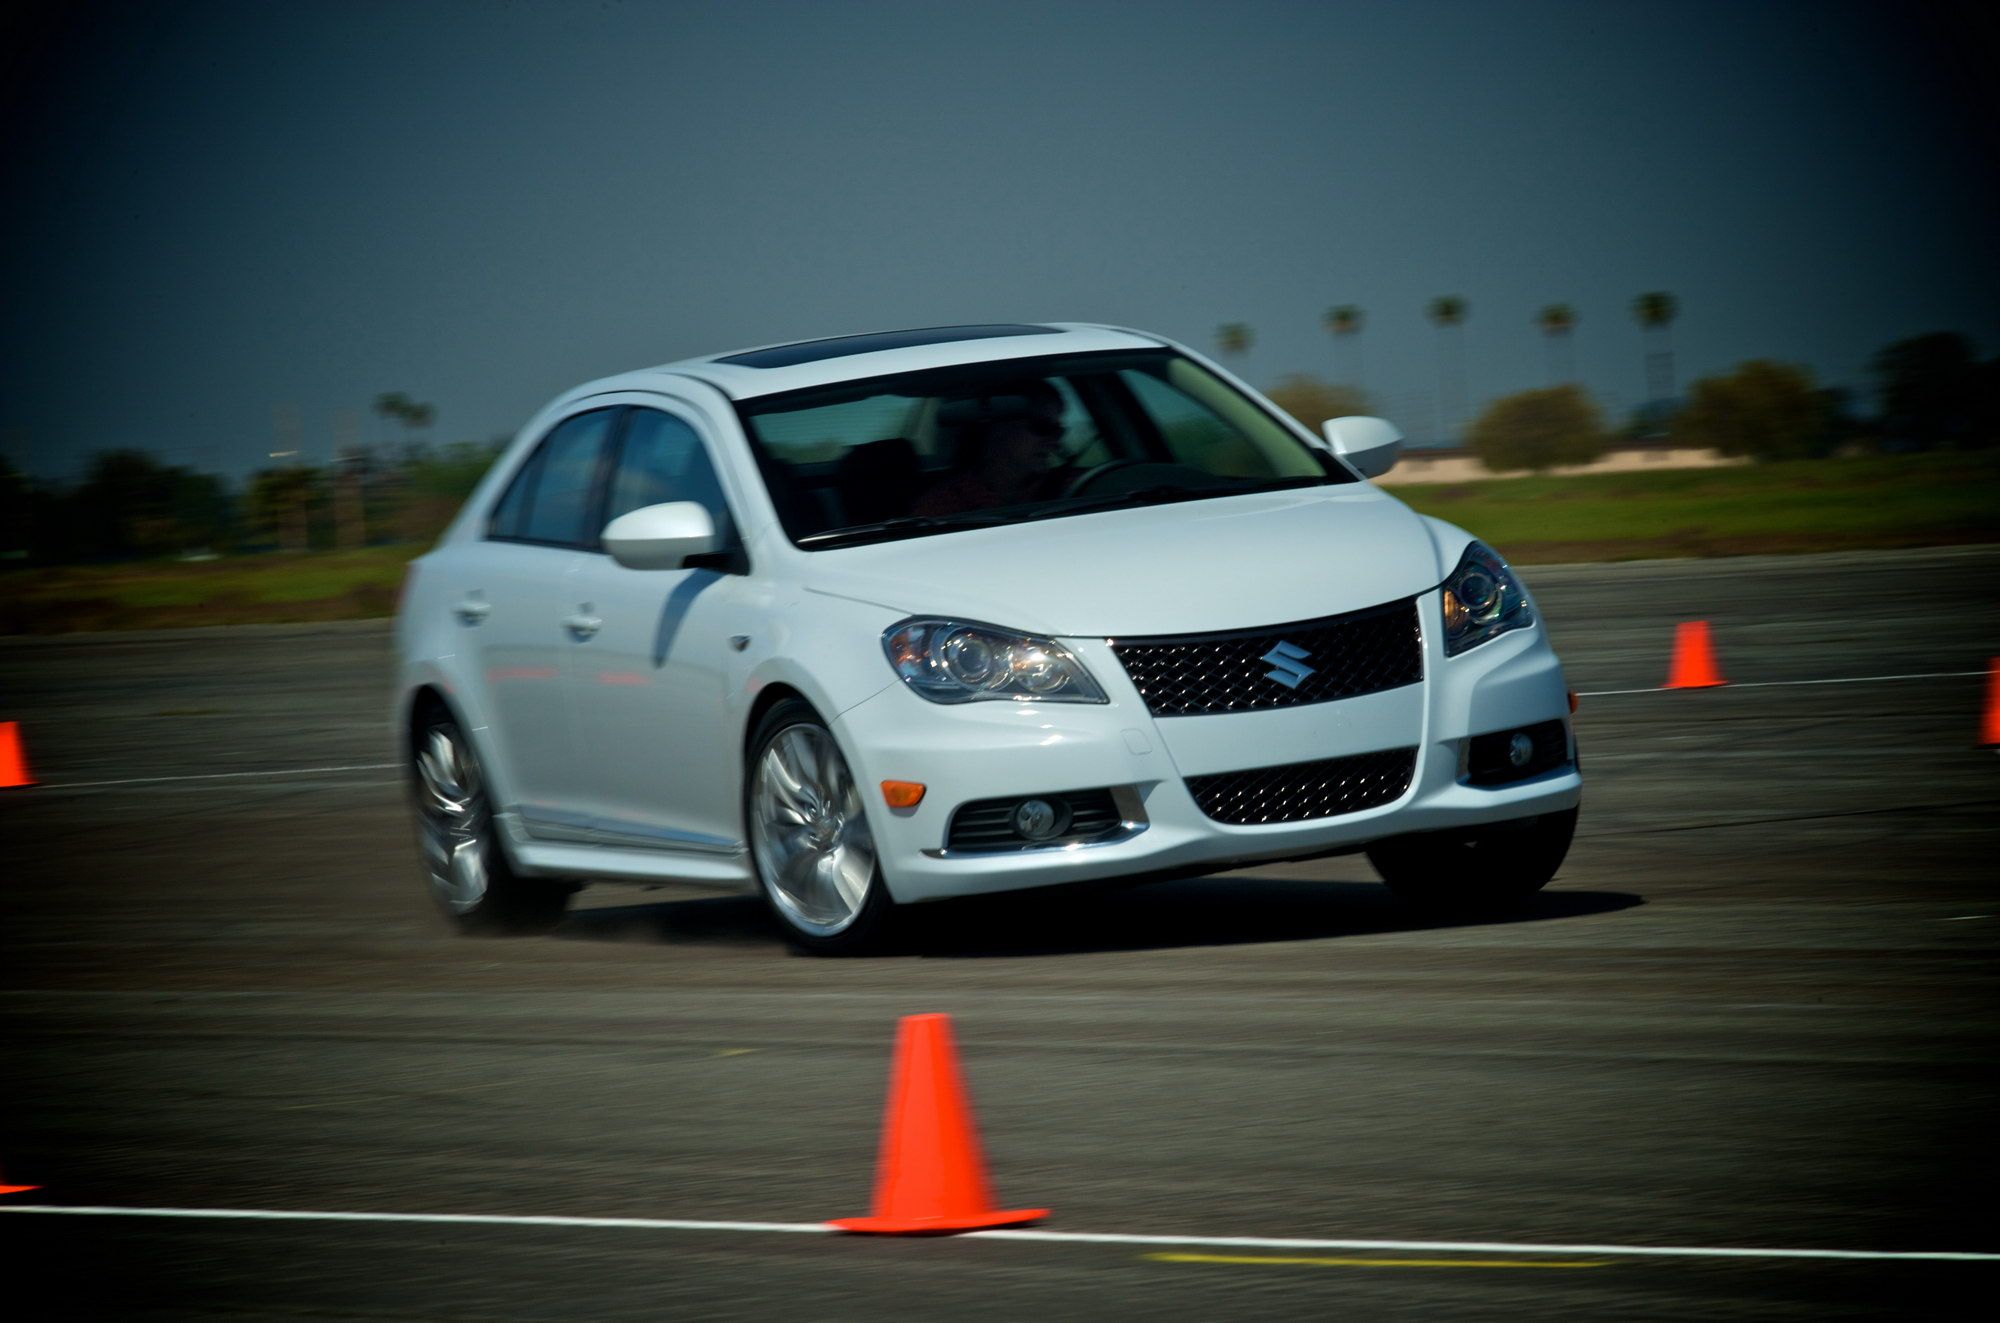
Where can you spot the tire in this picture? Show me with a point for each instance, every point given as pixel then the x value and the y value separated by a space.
pixel 1487 869
pixel 810 841
pixel 469 874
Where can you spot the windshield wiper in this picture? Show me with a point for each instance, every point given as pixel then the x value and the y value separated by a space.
pixel 885 529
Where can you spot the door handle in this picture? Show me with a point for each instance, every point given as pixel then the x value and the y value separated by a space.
pixel 583 625
pixel 472 610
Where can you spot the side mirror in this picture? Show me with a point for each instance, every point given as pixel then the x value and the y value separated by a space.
pixel 660 537
pixel 1369 444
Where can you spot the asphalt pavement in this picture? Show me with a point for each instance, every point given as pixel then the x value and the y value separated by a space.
pixel 1757 1010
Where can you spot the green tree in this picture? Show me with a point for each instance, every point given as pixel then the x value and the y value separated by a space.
pixel 15 510
pixel 1448 312
pixel 413 415
pixel 279 500
pixel 414 519
pixel 1343 322
pixel 1539 429
pixel 1762 409
pixel 1557 320
pixel 1655 312
pixel 1313 401
pixel 130 504
pixel 1934 393
pixel 1344 319
pixel 1234 338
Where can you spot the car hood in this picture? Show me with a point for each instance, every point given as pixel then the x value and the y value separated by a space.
pixel 1230 563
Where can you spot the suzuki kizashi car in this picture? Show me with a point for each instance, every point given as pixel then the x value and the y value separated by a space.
pixel 866 622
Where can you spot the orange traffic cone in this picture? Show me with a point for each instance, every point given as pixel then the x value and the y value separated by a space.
pixel 930 1178
pixel 1989 733
pixel 1694 659
pixel 13 763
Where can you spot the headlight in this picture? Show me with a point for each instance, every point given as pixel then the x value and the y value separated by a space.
pixel 1482 601
pixel 951 661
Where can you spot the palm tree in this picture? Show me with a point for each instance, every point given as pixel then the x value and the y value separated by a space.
pixel 1656 312
pixel 1557 320
pixel 414 417
pixel 1235 338
pixel 1343 322
pixel 1449 311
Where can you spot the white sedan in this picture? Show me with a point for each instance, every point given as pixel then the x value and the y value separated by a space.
pixel 884 619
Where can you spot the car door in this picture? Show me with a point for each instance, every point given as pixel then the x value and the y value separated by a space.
pixel 510 604
pixel 650 684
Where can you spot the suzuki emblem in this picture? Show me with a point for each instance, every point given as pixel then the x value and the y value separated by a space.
pixel 1288 665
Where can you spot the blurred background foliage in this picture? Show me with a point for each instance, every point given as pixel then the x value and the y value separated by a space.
pixel 137 542
pixel 1539 429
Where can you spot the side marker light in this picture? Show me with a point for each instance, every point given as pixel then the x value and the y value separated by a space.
pixel 902 794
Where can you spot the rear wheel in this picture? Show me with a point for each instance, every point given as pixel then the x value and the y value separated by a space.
pixel 1487 868
pixel 470 878
pixel 809 837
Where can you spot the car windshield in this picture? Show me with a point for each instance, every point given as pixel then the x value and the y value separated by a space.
pixel 929 452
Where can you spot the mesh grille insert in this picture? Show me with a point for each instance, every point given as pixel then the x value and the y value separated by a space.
pixel 1298 792
pixel 1364 652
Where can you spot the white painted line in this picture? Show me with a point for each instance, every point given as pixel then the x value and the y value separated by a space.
pixel 1055 1237
pixel 1494 1247
pixel 451 1219
pixel 1786 684
pixel 216 776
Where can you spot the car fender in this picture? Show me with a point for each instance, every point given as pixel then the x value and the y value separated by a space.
pixel 828 649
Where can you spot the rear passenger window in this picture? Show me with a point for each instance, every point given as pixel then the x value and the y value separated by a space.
pixel 550 501
pixel 661 460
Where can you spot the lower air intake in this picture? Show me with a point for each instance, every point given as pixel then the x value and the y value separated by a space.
pixel 1300 792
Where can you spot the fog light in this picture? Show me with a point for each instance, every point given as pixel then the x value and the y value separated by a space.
pixel 1520 749
pixel 1037 819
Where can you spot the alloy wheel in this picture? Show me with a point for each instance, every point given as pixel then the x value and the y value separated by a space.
pixel 815 854
pixel 454 819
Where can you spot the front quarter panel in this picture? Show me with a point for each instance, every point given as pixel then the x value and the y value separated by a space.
pixel 828 649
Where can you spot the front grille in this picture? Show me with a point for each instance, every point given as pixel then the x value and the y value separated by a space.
pixel 1298 792
pixel 988 824
pixel 1364 652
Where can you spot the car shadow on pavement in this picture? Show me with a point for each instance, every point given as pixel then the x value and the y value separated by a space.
pixel 1206 911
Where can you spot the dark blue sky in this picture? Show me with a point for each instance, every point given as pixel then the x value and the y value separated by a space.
pixel 214 211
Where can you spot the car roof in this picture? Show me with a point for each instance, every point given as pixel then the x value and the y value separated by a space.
pixel 744 374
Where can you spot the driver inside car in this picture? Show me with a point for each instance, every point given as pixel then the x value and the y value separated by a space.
pixel 1004 445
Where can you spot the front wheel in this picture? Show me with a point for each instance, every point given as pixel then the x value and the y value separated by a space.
pixel 470 878
pixel 1483 869
pixel 809 837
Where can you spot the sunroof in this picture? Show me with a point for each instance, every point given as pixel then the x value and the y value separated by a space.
pixel 815 351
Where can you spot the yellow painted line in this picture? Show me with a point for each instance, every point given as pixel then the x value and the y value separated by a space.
pixel 1273 1261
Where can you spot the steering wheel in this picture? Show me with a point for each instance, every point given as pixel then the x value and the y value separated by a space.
pixel 1076 485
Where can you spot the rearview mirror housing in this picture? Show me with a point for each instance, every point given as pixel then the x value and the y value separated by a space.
pixel 660 537
pixel 1369 444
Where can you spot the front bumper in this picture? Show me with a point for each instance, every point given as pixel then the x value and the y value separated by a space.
pixel 993 750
